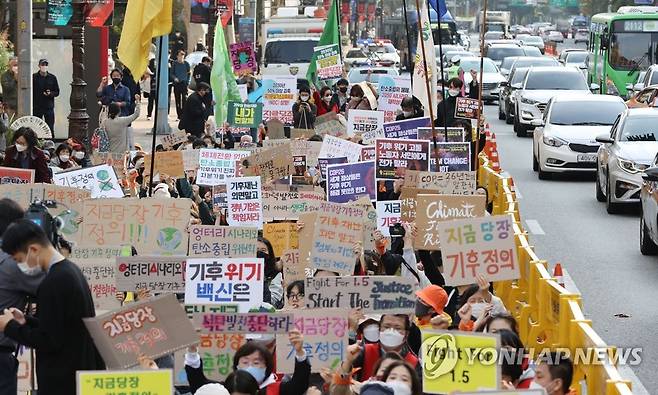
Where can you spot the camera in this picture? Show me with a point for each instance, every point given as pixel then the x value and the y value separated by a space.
pixel 38 213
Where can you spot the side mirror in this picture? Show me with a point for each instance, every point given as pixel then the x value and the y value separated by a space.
pixel 638 87
pixel 604 139
pixel 629 87
pixel 651 174
pixel 517 85
pixel 503 84
pixel 537 123
pixel 594 87
pixel 582 66
pixel 561 61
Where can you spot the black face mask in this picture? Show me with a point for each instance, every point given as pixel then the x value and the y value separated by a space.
pixel 116 81
pixel 422 310
pixel 342 89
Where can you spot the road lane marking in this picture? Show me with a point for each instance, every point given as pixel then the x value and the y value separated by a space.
pixel 519 196
pixel 627 373
pixel 534 227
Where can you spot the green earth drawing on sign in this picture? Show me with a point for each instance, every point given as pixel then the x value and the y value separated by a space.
pixel 104 177
pixel 169 239
pixel 69 221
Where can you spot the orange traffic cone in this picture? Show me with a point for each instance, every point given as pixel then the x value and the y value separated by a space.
pixel 487 144
pixel 495 165
pixel 557 273
pixel 493 146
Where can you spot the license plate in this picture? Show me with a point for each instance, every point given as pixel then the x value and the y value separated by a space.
pixel 586 158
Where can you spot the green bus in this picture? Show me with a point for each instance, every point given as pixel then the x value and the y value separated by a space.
pixel 621 44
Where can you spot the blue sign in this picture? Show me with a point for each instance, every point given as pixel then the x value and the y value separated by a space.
pixel 407 129
pixel 348 182
pixel 59 12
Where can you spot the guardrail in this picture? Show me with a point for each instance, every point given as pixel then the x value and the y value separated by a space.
pixel 549 316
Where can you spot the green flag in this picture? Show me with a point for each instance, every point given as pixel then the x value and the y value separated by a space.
pixel 329 36
pixel 222 80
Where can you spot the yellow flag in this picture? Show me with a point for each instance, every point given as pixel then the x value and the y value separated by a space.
pixel 144 20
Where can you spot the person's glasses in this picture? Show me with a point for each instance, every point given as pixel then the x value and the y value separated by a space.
pixel 295 296
pixel 327 96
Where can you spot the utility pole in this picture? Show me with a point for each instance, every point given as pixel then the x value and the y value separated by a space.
pixel 24 50
pixel 78 118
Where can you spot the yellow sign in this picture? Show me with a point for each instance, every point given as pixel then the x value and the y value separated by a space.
pixel 282 235
pixel 459 361
pixel 99 382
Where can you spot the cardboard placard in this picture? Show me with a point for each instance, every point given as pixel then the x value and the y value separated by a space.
pixel 245 115
pixel 372 294
pixel 467 108
pixel 325 334
pixel 243 57
pixel 293 267
pixel 166 162
pixel 100 181
pixel 388 214
pixel 115 159
pixel 328 64
pixel 306 236
pixel 173 138
pixel 237 281
pixel 278 97
pixel 153 327
pixel 270 164
pixel 252 323
pixel 434 209
pixel 453 183
pixel 455 135
pixel 348 182
pixel 79 252
pixel 478 246
pixel 447 366
pixel 452 157
pixel 151 225
pixel 191 159
pixel 216 351
pixel 155 273
pixel 334 147
pixel 392 90
pixel 310 149
pixel 210 241
pixel 216 166
pixel 282 235
pixel 395 156
pixel 102 382
pixel 279 205
pixel 408 202
pixel 101 277
pixel 244 202
pixel 11 175
pixel 303 134
pixel 337 229
pixel 406 129
pixel 365 123
pixel 330 124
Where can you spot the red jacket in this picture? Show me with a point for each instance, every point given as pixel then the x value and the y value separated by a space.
pixel 323 108
pixel 37 161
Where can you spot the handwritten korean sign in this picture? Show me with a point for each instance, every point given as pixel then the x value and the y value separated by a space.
pixel 102 382
pixel 244 202
pixel 210 322
pixel 101 277
pixel 100 181
pixel 334 147
pixel 452 183
pixel 282 205
pixel 170 140
pixel 269 164
pixel 282 235
pixel 365 123
pixel 330 124
pixel 337 228
pixel 222 241
pixel 388 214
pixel 216 351
pixel 155 273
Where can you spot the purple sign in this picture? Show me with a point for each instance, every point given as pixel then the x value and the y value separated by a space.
pixel 323 162
pixel 348 182
pixel 407 129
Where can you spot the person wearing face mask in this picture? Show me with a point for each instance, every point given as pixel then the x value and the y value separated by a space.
pixel 411 108
pixel 476 304
pixel 303 111
pixel 62 158
pixel 445 111
pixel 273 276
pixel 554 373
pixel 79 155
pixel 324 100
pixel 9 82
pixel 57 331
pixel 25 154
pixel 195 113
pixel 340 96
pixel 358 100
pixel 115 92
pixel 20 282
pixel 44 91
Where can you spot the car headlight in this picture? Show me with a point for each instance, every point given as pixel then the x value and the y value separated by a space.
pixel 554 141
pixel 631 167
pixel 525 100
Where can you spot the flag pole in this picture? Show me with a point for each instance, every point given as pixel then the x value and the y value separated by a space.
pixel 406 26
pixel 159 70
pixel 427 77
pixel 340 41
pixel 480 103
pixel 445 110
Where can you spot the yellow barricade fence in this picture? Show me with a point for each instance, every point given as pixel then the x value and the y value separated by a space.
pixel 550 316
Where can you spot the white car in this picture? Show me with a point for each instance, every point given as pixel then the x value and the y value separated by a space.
pixel 288 56
pixel 386 54
pixel 555 36
pixel 370 74
pixel 498 52
pixel 534 41
pixel 625 153
pixel 356 57
pixel 582 35
pixel 565 140
pixel 491 80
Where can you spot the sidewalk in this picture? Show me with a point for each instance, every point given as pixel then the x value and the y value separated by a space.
pixel 142 127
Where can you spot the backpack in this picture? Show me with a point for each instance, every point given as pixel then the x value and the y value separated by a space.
pixel 100 141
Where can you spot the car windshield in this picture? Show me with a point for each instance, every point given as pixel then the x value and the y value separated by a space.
pixel 499 53
pixel 552 80
pixel 381 49
pixel 355 54
pixel 654 78
pixel 360 75
pixel 632 49
pixel 590 113
pixel 532 51
pixel 640 129
pixel 519 75
pixel 527 62
pixel 493 35
pixel 533 40
pixel 577 57
pixel 289 51
pixel 508 62
pixel 474 64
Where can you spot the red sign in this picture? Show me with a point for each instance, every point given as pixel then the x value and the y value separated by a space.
pixel 98 13
pixel 10 175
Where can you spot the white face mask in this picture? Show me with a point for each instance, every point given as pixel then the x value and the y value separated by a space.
pixel 453 92
pixel 64 158
pixel 27 269
pixel 407 113
pixel 535 386
pixel 477 309
pixel 391 338
pixel 371 333
pixel 78 154
pixel 303 97
pixel 20 147
pixel 399 387
pixel 327 99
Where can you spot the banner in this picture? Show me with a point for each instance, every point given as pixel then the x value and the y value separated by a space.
pixel 330 124
pixel 216 166
pixel 151 225
pixel 153 327
pixel 452 157
pixel 251 323
pixel 337 228
pixel 334 147
pixel 170 140
pixel 328 62
pixel 350 181
pixel 475 246
pixel 459 361
pixel 365 123
pixel 455 135
pixel 243 58
pixel 209 241
pixel 244 202
pixel 278 97
pixel 392 89
pixel 467 108
pixel 245 115
pixel 101 278
pixel 434 209
pixel 371 294
pixel 11 175
pixel 367 153
pixel 103 382
pixel 325 334
pixel 155 273
pixel 100 181
pixel 282 235
pixel 59 12
pixel 191 159
pixel 98 13
pixel 395 156
pixel 453 183
pixel 216 351
pixel 406 129
pixel 279 205
pixel 323 163
pixel 270 164
pixel 388 214
pixel 166 162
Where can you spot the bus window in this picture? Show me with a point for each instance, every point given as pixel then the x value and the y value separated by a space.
pixel 630 50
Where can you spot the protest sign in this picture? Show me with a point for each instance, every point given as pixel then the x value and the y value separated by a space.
pixel 103 382
pixel 115 159
pixel 100 181
pixel 282 235
pixel 455 135
pixel 459 361
pixel 191 159
pixel 324 162
pixel 328 61
pixel 475 246
pixel 270 164
pixel 395 156
pixel 278 97
pixel 369 223
pixel 388 214
pixel 310 149
pixel 467 108
pixel 236 281
pixel 155 273
pixel 280 205
pixel 306 235
pixel 347 182
pixel 216 165
pixel 216 351
pixel 408 202
pixel 153 327
pixel 275 129
pixel 300 174
pixel 173 138
pixel 325 334
pixel 452 183
pixel 452 157
pixel 367 153
pixel 303 134
pixel 365 123
pixel 293 268
pixel 79 252
pixel 244 202
pixel 166 162
pixel 209 241
pixel 243 57
pixel 330 124
pixel 433 209
pixel 406 129
pixel 334 147
pixel 11 175
pixel 194 311
pixel 101 278
pixel 371 294
pixel 337 228
pixel 245 115
pixel 392 89
pixel 219 197
pixel 151 225
pixel 506 392
pixel 252 323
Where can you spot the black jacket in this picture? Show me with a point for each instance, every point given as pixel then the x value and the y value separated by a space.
pixel 304 118
pixel 57 333
pixel 447 118
pixel 201 73
pixel 194 115
pixel 41 84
